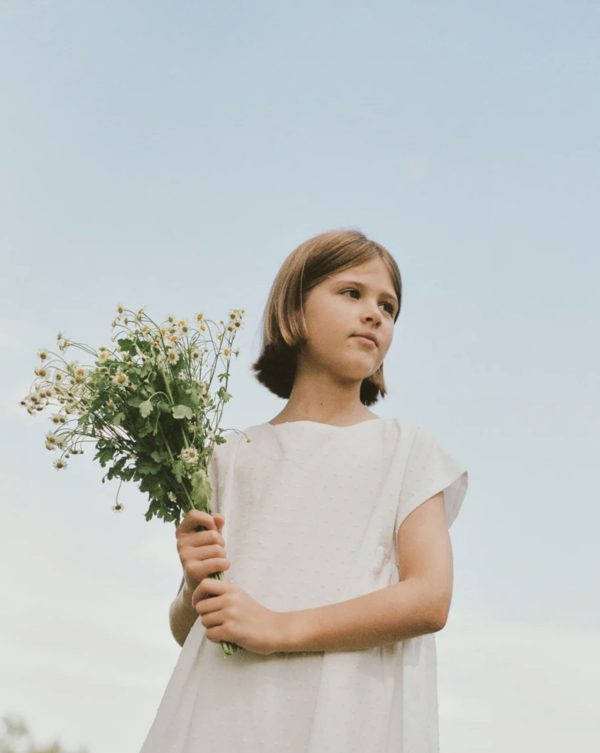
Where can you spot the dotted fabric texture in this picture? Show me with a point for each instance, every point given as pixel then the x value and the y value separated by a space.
pixel 312 513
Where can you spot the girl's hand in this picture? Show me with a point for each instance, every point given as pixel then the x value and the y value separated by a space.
pixel 201 552
pixel 230 614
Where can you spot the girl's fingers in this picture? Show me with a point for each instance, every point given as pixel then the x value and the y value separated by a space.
pixel 202 569
pixel 204 538
pixel 195 518
pixel 208 587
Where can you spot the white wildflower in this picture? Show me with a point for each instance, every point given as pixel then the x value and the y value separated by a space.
pixel 189 455
pixel 121 379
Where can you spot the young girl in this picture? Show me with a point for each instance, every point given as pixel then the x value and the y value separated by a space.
pixel 338 570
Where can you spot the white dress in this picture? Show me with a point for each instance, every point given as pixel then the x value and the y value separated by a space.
pixel 311 516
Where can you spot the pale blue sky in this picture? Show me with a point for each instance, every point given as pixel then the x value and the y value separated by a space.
pixel 172 155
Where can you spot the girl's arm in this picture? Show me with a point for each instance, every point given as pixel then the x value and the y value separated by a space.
pixel 417 604
pixel 181 614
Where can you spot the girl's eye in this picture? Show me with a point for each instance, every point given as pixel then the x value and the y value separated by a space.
pixel 390 307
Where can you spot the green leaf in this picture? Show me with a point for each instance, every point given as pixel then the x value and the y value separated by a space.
pixel 146 408
pixel 104 455
pixel 201 490
pixel 145 430
pixel 126 345
pixel 118 418
pixel 178 470
pixel 144 468
pixel 223 394
pixel 182 411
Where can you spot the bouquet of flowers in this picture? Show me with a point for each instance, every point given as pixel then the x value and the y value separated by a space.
pixel 148 404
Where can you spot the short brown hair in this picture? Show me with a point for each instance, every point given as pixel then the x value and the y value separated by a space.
pixel 284 326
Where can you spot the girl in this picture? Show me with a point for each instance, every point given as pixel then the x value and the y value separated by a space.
pixel 339 561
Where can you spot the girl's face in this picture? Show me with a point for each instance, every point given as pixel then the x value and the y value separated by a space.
pixel 357 300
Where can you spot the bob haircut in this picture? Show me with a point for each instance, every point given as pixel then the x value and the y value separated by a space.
pixel 284 326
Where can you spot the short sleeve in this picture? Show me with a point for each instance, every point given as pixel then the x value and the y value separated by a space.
pixel 429 470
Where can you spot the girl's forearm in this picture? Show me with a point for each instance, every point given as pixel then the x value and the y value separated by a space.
pixel 394 613
pixel 181 614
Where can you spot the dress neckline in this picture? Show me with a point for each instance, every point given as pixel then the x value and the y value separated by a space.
pixel 323 423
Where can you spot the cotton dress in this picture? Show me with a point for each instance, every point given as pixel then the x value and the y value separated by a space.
pixel 311 516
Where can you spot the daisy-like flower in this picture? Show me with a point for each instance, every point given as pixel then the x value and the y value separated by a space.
pixel 121 379
pixel 80 374
pixel 58 464
pixel 189 455
pixel 200 317
pixel 43 354
pixel 172 356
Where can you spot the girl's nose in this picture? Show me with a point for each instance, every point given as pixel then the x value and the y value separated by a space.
pixel 373 311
